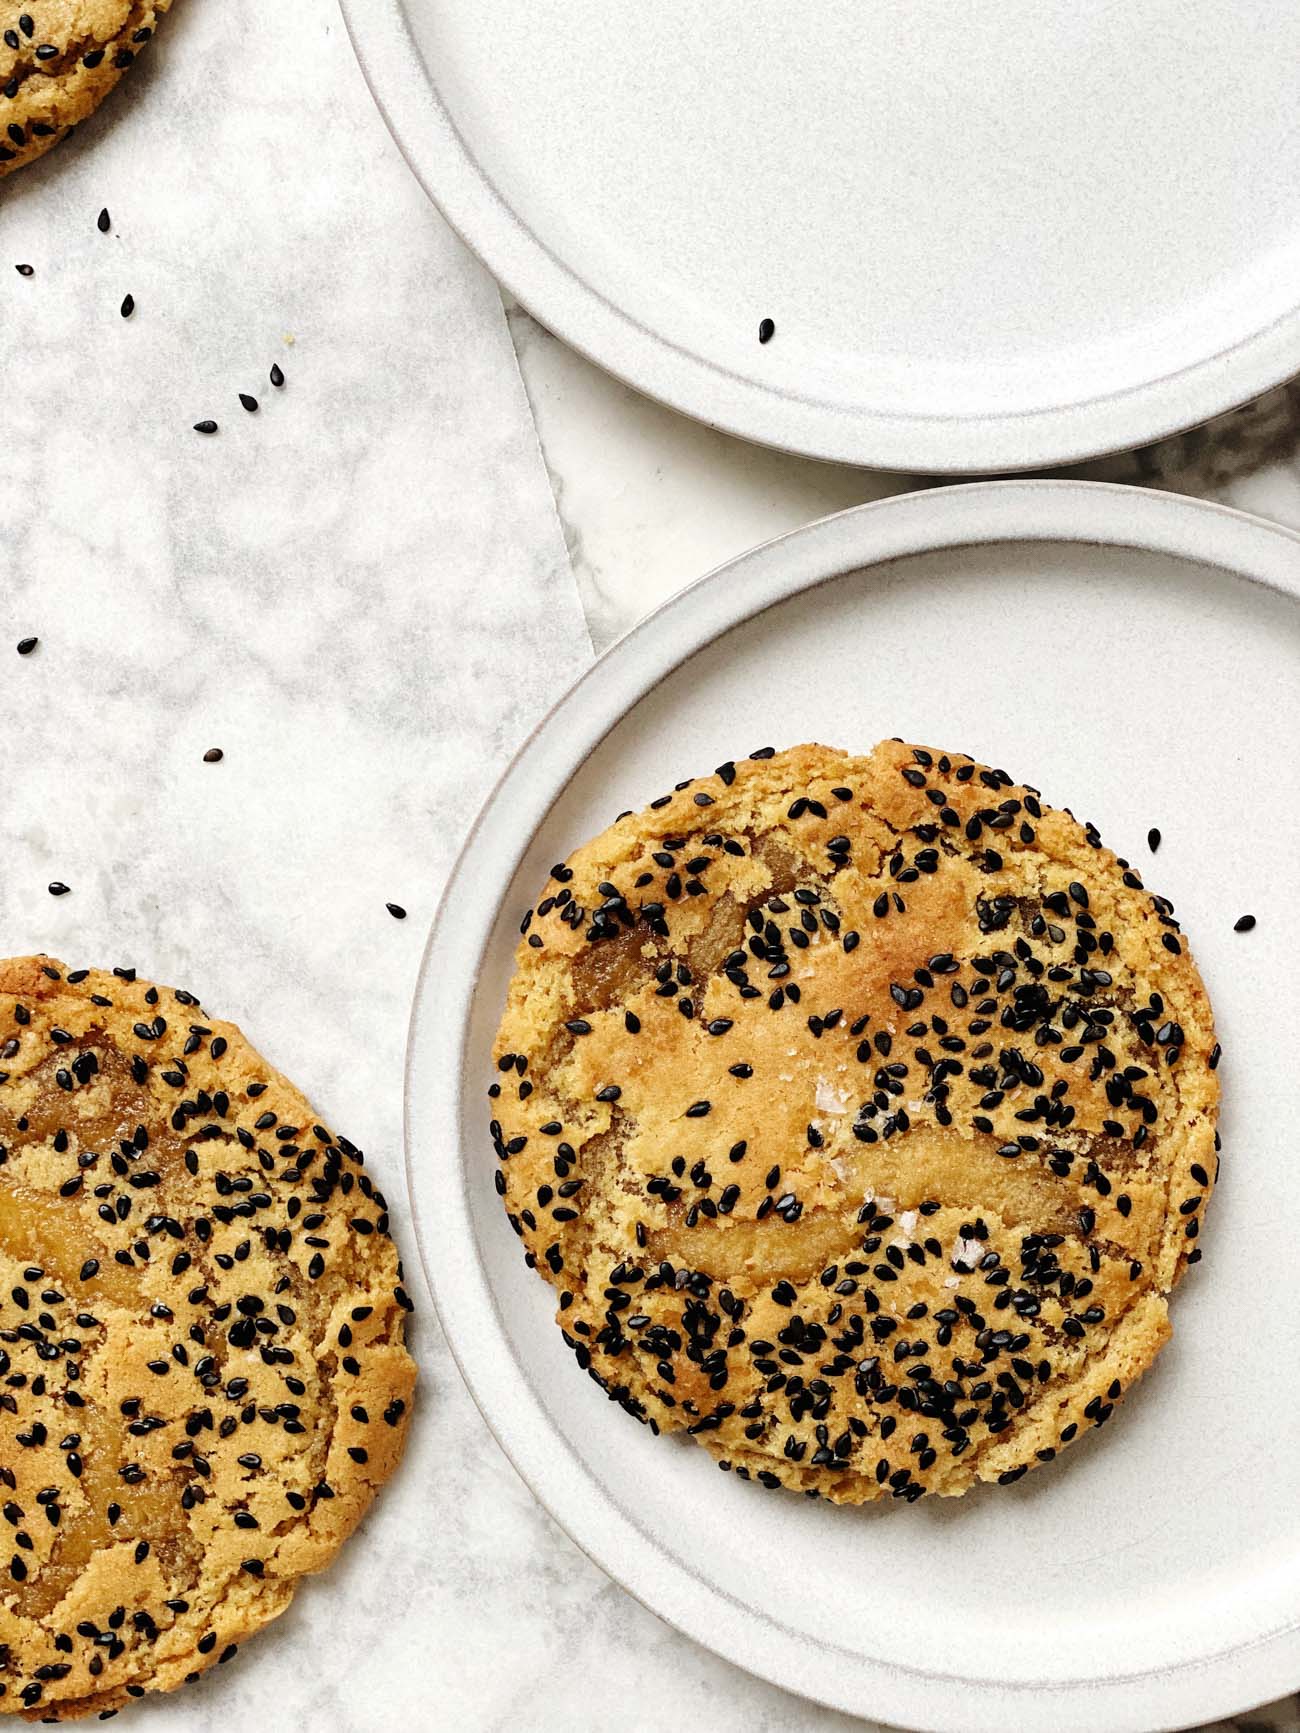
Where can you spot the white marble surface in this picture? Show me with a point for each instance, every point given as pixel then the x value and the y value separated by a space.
pixel 361 595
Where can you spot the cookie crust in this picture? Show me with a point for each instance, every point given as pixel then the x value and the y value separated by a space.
pixel 861 1110
pixel 203 1381
pixel 58 61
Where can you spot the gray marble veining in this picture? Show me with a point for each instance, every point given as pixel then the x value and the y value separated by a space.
pixel 360 593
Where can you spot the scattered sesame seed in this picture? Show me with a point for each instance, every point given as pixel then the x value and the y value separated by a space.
pixel 277 375
pixel 27 645
pixel 57 888
pixel 103 222
pixel 128 306
pixel 1243 924
pixel 766 330
pixel 1153 839
pixel 396 911
pixel 213 755
pixel 249 402
pixel 205 427
pixel 25 270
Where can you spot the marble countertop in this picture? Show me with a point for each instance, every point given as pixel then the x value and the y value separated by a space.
pixel 302 601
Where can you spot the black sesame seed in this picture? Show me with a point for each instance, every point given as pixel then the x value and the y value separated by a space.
pixel 27 645
pixel 249 402
pixel 766 330
pixel 277 376
pixel 1153 839
pixel 57 888
pixel 396 911
pixel 128 306
pixel 103 222
pixel 25 270
pixel 1243 924
pixel 205 427
pixel 213 755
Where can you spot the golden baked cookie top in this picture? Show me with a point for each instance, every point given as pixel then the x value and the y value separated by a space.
pixel 862 1112
pixel 203 1381
pixel 58 60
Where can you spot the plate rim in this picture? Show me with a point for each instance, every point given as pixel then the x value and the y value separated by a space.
pixel 588 322
pixel 1030 511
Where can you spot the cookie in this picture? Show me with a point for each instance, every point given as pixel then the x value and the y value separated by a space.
pixel 58 61
pixel 861 1110
pixel 202 1377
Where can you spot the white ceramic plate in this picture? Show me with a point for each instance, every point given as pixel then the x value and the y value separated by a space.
pixel 990 236
pixel 1138 657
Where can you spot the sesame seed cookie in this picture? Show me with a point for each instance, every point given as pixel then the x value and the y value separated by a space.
pixel 202 1377
pixel 861 1110
pixel 58 61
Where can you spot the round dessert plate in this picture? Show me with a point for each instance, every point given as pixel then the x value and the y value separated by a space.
pixel 988 237
pixel 1137 657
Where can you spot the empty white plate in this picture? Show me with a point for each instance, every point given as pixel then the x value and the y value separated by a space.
pixel 1137 657
pixel 989 236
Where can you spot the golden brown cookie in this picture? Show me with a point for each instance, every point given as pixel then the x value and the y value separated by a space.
pixel 862 1113
pixel 58 61
pixel 202 1376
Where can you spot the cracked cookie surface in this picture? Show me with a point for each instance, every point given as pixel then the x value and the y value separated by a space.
pixel 58 61
pixel 861 1110
pixel 203 1381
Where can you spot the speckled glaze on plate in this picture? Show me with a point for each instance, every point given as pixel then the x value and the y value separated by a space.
pixel 988 237
pixel 1137 656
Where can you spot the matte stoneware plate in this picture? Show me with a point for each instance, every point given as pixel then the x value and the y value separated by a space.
pixel 990 236
pixel 1137 656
